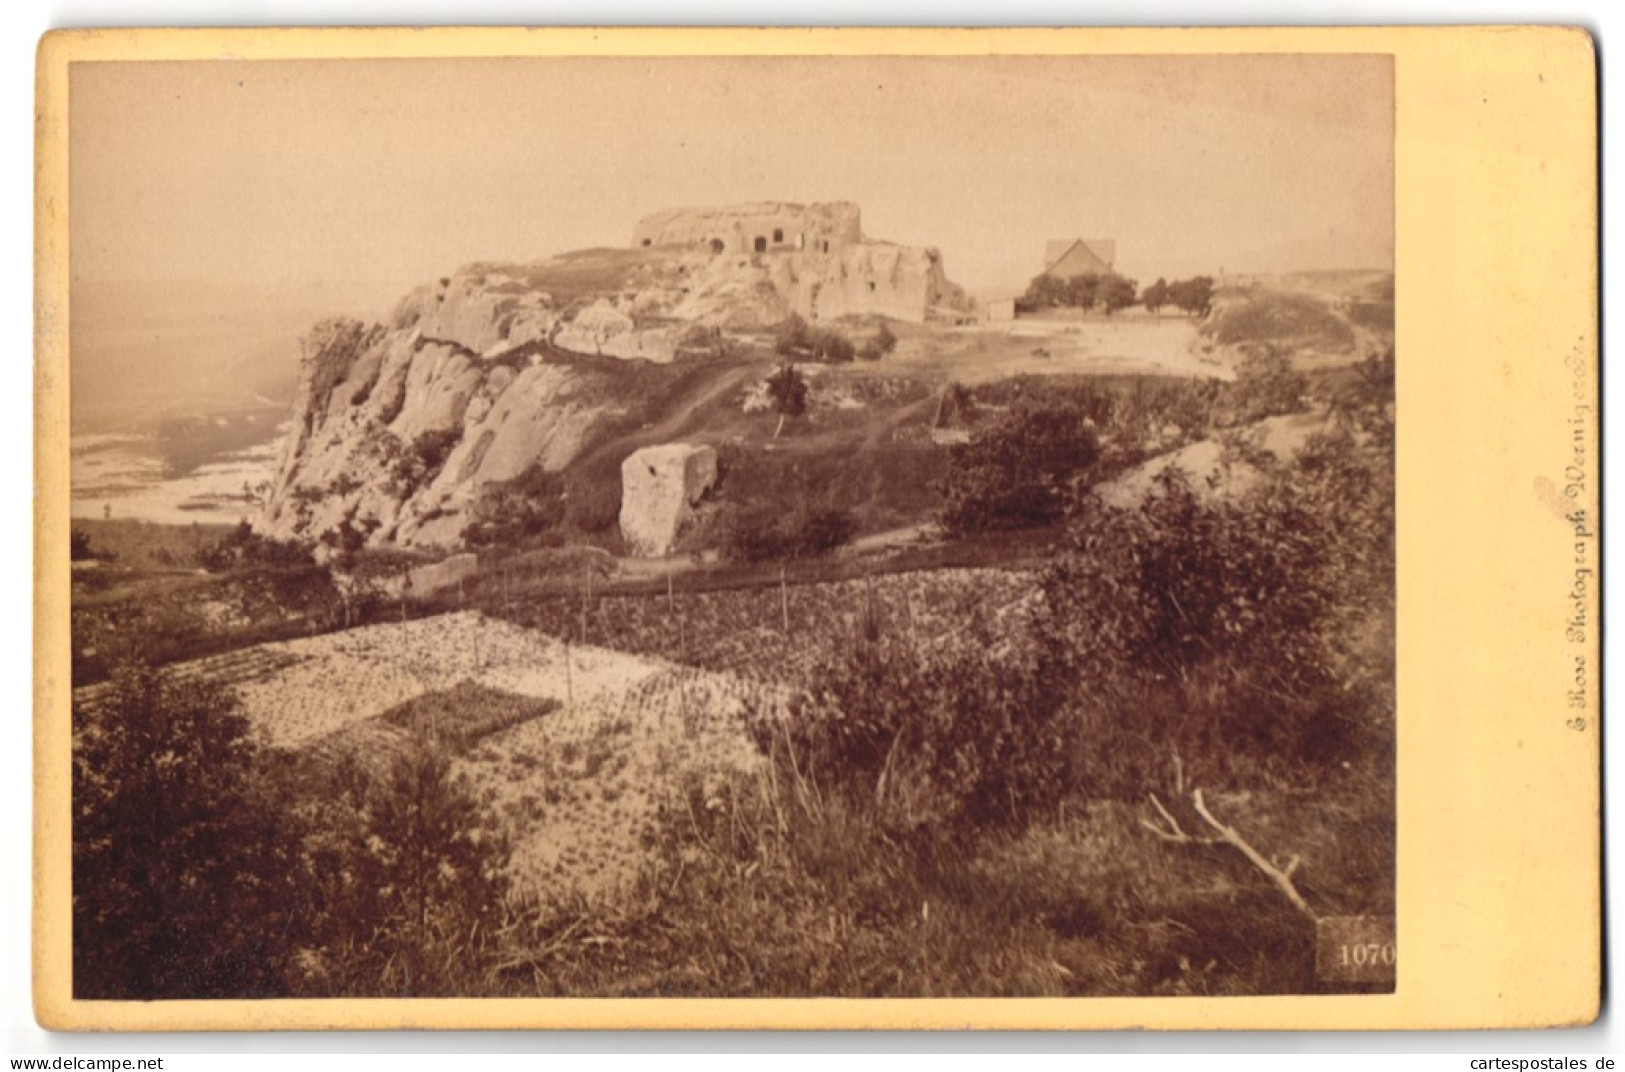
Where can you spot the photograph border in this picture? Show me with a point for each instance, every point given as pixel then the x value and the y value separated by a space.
pixel 1498 785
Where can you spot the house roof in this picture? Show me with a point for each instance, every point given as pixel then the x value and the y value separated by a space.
pixel 1102 249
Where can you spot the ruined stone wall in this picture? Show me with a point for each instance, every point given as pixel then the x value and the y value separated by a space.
pixel 766 226
pixel 870 278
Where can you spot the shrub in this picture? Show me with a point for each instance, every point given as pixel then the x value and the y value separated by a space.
pixel 1266 385
pixel 182 875
pixel 1019 471
pixel 1252 637
pixel 883 343
pixel 964 734
pixel 349 535
pixel 79 548
pixel 405 869
pixel 703 342
pixel 799 340
pixel 421 462
pixel 243 548
pixel 594 506
pixel 517 512
pixel 760 532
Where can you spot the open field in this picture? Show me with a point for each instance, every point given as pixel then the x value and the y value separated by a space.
pixel 575 781
pixel 984 352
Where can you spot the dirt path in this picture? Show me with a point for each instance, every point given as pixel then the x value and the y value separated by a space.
pixel 676 421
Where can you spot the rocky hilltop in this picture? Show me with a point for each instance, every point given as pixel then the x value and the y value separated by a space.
pixel 500 369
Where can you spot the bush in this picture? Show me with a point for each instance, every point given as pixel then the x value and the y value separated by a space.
pixel 79 548
pixel 1266 385
pixel 1252 637
pixel 799 340
pixel 760 532
pixel 243 548
pixel 883 343
pixel 594 506
pixel 1019 472
pixel 517 512
pixel 404 872
pixel 183 876
pixel 421 462
pixel 349 536
pixel 965 734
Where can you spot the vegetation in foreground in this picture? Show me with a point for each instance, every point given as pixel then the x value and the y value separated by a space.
pixel 1006 810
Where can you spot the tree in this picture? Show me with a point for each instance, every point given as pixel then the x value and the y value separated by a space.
pixel 1155 296
pixel 1046 292
pixel 432 858
pixel 1019 472
pixel 1194 295
pixel 788 390
pixel 182 871
pixel 1115 292
pixel 1083 290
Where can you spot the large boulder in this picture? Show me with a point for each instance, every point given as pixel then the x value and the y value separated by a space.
pixel 659 487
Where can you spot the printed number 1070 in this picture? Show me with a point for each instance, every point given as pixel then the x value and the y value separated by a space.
pixel 1355 950
pixel 1367 953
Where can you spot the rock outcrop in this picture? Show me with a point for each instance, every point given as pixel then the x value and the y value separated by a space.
pixel 497 368
pixel 659 487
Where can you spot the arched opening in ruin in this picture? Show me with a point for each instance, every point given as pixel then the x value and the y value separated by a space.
pixel 826 245
pixel 717 245
pixel 761 244
pixel 778 235
pixel 801 240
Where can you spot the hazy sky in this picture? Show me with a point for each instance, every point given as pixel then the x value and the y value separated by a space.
pixel 398 171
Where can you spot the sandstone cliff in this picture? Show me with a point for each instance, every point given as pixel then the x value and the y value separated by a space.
pixel 483 374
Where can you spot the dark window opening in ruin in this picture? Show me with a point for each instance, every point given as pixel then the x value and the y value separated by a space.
pixel 717 245
pixel 778 235
pixel 826 245
pixel 871 288
pixel 761 244
pixel 646 241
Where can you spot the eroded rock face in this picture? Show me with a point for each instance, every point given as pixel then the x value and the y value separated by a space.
pixel 659 487
pixel 474 377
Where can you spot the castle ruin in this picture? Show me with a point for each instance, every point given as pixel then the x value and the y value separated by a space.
pixel 816 257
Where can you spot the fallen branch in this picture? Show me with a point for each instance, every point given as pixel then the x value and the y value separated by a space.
pixel 1281 878
pixel 1173 831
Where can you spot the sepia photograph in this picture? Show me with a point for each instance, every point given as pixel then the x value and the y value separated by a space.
pixel 844 526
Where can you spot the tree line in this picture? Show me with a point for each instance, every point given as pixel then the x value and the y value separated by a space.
pixel 1110 292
